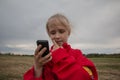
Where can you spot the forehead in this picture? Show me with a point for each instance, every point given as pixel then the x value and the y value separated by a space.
pixel 52 28
pixel 57 21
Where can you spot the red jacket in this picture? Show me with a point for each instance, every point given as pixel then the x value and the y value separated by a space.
pixel 66 64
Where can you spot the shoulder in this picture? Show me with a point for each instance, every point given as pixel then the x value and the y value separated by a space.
pixel 77 53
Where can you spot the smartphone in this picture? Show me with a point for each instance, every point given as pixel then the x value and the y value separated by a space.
pixel 44 43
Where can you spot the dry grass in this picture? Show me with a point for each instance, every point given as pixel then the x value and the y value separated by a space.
pixel 108 68
pixel 13 67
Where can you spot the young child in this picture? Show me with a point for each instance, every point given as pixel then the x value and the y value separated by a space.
pixel 63 62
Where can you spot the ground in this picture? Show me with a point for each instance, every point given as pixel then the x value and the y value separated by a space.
pixel 13 67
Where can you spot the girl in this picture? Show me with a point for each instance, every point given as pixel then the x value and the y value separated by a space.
pixel 63 62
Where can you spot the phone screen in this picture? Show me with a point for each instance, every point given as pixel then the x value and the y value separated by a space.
pixel 44 43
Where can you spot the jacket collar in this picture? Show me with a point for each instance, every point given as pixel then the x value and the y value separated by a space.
pixel 65 46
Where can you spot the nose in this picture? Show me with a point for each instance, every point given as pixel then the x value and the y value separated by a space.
pixel 57 35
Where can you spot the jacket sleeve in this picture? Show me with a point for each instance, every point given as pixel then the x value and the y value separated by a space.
pixel 29 75
pixel 66 66
pixel 85 62
pixel 88 63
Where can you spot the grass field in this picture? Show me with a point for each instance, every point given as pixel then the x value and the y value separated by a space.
pixel 13 67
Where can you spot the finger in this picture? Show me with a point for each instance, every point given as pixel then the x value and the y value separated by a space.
pixel 49 59
pixel 56 46
pixel 39 55
pixel 46 57
pixel 54 42
pixel 41 63
pixel 37 49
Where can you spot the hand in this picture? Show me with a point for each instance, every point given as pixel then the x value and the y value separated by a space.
pixel 55 46
pixel 39 61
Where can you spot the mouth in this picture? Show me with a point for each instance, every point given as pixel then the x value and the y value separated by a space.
pixel 59 42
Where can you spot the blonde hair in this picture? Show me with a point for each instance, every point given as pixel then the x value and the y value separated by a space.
pixel 58 20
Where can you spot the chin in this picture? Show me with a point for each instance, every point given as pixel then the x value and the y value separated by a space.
pixel 60 44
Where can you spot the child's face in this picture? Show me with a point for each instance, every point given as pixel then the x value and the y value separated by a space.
pixel 59 34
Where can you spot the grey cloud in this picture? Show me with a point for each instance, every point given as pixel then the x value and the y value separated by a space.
pixel 94 21
pixel 100 24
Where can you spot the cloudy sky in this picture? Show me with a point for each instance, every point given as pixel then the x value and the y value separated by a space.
pixel 95 24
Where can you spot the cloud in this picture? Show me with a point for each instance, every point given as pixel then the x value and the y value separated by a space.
pixel 95 23
pixel 99 25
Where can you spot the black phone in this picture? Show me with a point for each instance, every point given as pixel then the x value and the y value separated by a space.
pixel 44 43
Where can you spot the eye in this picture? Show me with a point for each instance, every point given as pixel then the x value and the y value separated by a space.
pixel 61 31
pixel 52 32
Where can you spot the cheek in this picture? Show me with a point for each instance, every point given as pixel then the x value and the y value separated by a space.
pixel 51 36
pixel 66 37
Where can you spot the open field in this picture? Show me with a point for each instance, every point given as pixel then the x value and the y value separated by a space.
pixel 13 67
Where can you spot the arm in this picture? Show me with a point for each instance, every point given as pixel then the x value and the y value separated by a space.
pixel 89 67
pixel 64 65
pixel 36 72
pixel 69 65
pixel 30 75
